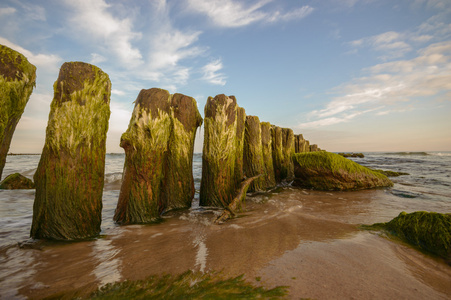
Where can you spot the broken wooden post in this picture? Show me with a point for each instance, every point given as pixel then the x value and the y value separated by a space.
pixel 267 154
pixel 17 80
pixel 253 155
pixel 240 125
pixel 219 152
pixel 70 175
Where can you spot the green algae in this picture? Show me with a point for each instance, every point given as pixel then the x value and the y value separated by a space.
pixel 17 80
pixel 287 171
pixel 189 285
pixel 70 176
pixel 389 173
pixel 16 181
pixel 159 145
pixel 277 152
pixel 329 171
pixel 267 155
pixel 427 231
pixel 239 155
pixel 219 180
pixel 253 153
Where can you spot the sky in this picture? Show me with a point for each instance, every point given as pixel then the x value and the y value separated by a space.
pixel 350 75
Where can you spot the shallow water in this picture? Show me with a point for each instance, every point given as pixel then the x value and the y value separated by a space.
pixel 306 239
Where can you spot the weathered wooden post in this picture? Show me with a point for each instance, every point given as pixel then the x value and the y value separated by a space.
pixel 17 80
pixel 314 148
pixel 146 144
pixel 219 181
pixel 277 154
pixel 267 154
pixel 253 155
pixel 288 151
pixel 307 146
pixel 70 175
pixel 240 126
pixel 178 186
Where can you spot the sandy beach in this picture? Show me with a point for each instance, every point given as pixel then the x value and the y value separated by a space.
pixel 309 241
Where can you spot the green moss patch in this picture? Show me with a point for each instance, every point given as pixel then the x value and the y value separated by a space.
pixel 16 181
pixel 328 171
pixel 428 231
pixel 390 173
pixel 188 285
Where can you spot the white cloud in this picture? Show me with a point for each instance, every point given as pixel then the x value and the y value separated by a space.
pixel 391 44
pixel 49 62
pixel 91 18
pixel 7 11
pixel 230 13
pixel 391 86
pixel 97 58
pixel 211 73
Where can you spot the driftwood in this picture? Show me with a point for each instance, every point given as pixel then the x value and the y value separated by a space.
pixel 230 210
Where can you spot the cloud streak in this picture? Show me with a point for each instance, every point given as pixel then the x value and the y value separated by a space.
pixel 390 85
pixel 211 73
pixel 229 13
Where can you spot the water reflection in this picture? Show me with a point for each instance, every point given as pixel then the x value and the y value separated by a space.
pixel 108 268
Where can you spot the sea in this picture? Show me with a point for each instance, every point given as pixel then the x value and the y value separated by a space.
pixel 427 187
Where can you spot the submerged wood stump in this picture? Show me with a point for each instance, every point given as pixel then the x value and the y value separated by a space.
pixel 267 155
pixel 253 155
pixel 70 175
pixel 158 146
pixel 17 80
pixel 219 155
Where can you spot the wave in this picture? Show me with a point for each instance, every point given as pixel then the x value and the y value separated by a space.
pixel 408 153
pixel 113 178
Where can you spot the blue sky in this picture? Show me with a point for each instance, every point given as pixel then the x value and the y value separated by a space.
pixel 351 75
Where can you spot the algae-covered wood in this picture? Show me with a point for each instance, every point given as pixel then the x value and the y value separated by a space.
pixel 159 145
pixel 277 152
pixel 219 182
pixel 146 144
pixel 240 126
pixel 267 155
pixel 70 175
pixel 253 155
pixel 288 151
pixel 17 80
pixel 178 186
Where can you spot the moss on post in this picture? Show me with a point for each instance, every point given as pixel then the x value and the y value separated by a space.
pixel 146 144
pixel 307 146
pixel 70 175
pixel 314 148
pixel 219 182
pixel 267 154
pixel 240 126
pixel 159 145
pixel 277 152
pixel 178 186
pixel 287 171
pixel 253 155
pixel 17 80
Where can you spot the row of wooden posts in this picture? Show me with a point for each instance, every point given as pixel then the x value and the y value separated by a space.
pixel 158 144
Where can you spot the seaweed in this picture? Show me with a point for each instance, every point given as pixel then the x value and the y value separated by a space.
pixel 427 231
pixel 188 285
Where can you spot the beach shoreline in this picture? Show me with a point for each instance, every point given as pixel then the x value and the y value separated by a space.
pixel 307 240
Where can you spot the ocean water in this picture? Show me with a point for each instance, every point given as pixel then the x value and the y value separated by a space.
pixel 428 185
pixel 275 232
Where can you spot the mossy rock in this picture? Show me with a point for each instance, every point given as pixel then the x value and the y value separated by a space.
pixel 429 231
pixel 16 181
pixel 17 80
pixel 188 285
pixel 390 173
pixel 329 171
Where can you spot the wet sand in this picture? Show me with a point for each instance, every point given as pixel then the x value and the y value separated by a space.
pixel 307 240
